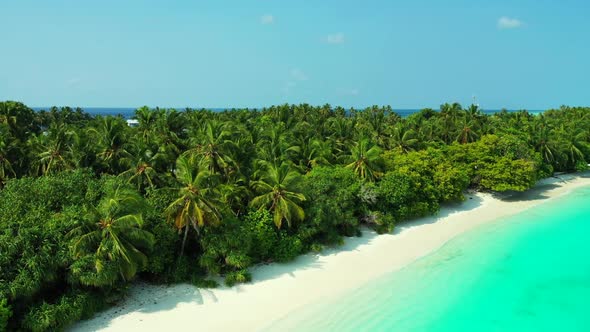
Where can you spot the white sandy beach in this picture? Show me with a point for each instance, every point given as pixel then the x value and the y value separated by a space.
pixel 278 289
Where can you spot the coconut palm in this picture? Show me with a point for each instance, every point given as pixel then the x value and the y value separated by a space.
pixel 110 137
pixel 212 147
pixel 275 145
pixel 541 139
pixel 276 187
pixel 110 243
pixel 6 148
pixel 310 153
pixel 403 139
pixel 147 119
pixel 449 116
pixel 364 160
pixel 343 130
pixel 142 165
pixel 53 150
pixel 468 127
pixel 196 203
pixel 572 143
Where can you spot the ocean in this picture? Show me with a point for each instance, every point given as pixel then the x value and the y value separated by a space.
pixel 128 113
pixel 527 272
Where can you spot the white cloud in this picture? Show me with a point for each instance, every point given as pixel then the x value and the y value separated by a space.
pixel 267 19
pixel 336 38
pixel 509 23
pixel 73 81
pixel 349 92
pixel 298 74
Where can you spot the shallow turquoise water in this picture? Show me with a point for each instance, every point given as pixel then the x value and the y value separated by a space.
pixel 528 272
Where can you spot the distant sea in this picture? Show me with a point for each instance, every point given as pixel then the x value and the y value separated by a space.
pixel 528 272
pixel 129 112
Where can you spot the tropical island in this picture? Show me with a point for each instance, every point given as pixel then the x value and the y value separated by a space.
pixel 90 205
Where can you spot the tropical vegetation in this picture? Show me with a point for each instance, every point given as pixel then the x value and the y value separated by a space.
pixel 89 205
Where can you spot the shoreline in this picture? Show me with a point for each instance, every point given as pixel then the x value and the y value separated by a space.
pixel 278 289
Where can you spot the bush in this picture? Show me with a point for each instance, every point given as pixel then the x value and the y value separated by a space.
pixel 5 313
pixel 499 163
pixel 381 222
pixel 581 166
pixel 204 283
pixel 333 204
pixel 506 174
pixel 405 195
pixel 36 214
pixel 237 277
pixel 167 240
pixel 225 247
pixel 287 248
pixel 67 310
pixel 261 227
pixel 183 269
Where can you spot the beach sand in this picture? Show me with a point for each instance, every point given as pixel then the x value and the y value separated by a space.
pixel 278 289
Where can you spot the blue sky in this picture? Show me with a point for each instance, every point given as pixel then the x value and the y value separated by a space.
pixel 530 54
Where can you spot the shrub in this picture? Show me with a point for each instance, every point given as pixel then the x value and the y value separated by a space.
pixel 381 222
pixel 333 204
pixel 225 247
pixel 167 240
pixel 406 195
pixel 261 227
pixel 581 165
pixel 238 277
pixel 204 283
pixel 287 248
pixel 5 313
pixel 66 310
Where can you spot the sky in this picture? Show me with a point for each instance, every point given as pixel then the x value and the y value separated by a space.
pixel 515 54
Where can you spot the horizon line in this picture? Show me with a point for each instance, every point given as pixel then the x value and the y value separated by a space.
pixel 257 108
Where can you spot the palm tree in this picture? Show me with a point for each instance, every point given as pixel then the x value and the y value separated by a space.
pixel 449 115
pixel 572 144
pixel 342 130
pixel 6 147
pixel 540 138
pixel 364 160
pixel 147 119
pixel 110 136
pixel 275 145
pixel 142 165
pixel 54 150
pixel 310 153
pixel 467 130
pixel 276 189
pixel 196 205
pixel 403 139
pixel 233 194
pixel 212 148
pixel 110 243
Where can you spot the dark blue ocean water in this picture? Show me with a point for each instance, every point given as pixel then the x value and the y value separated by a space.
pixel 129 112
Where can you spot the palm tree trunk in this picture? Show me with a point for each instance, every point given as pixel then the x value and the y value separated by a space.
pixel 183 241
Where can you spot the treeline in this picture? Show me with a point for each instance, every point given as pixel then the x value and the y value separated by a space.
pixel 88 204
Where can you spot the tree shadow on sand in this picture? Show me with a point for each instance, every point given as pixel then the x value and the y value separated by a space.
pixel 535 194
pixel 311 261
pixel 471 202
pixel 146 298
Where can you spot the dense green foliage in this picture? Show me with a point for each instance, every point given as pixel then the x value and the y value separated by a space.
pixel 88 204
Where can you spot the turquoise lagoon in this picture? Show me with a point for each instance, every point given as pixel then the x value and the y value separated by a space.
pixel 527 272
